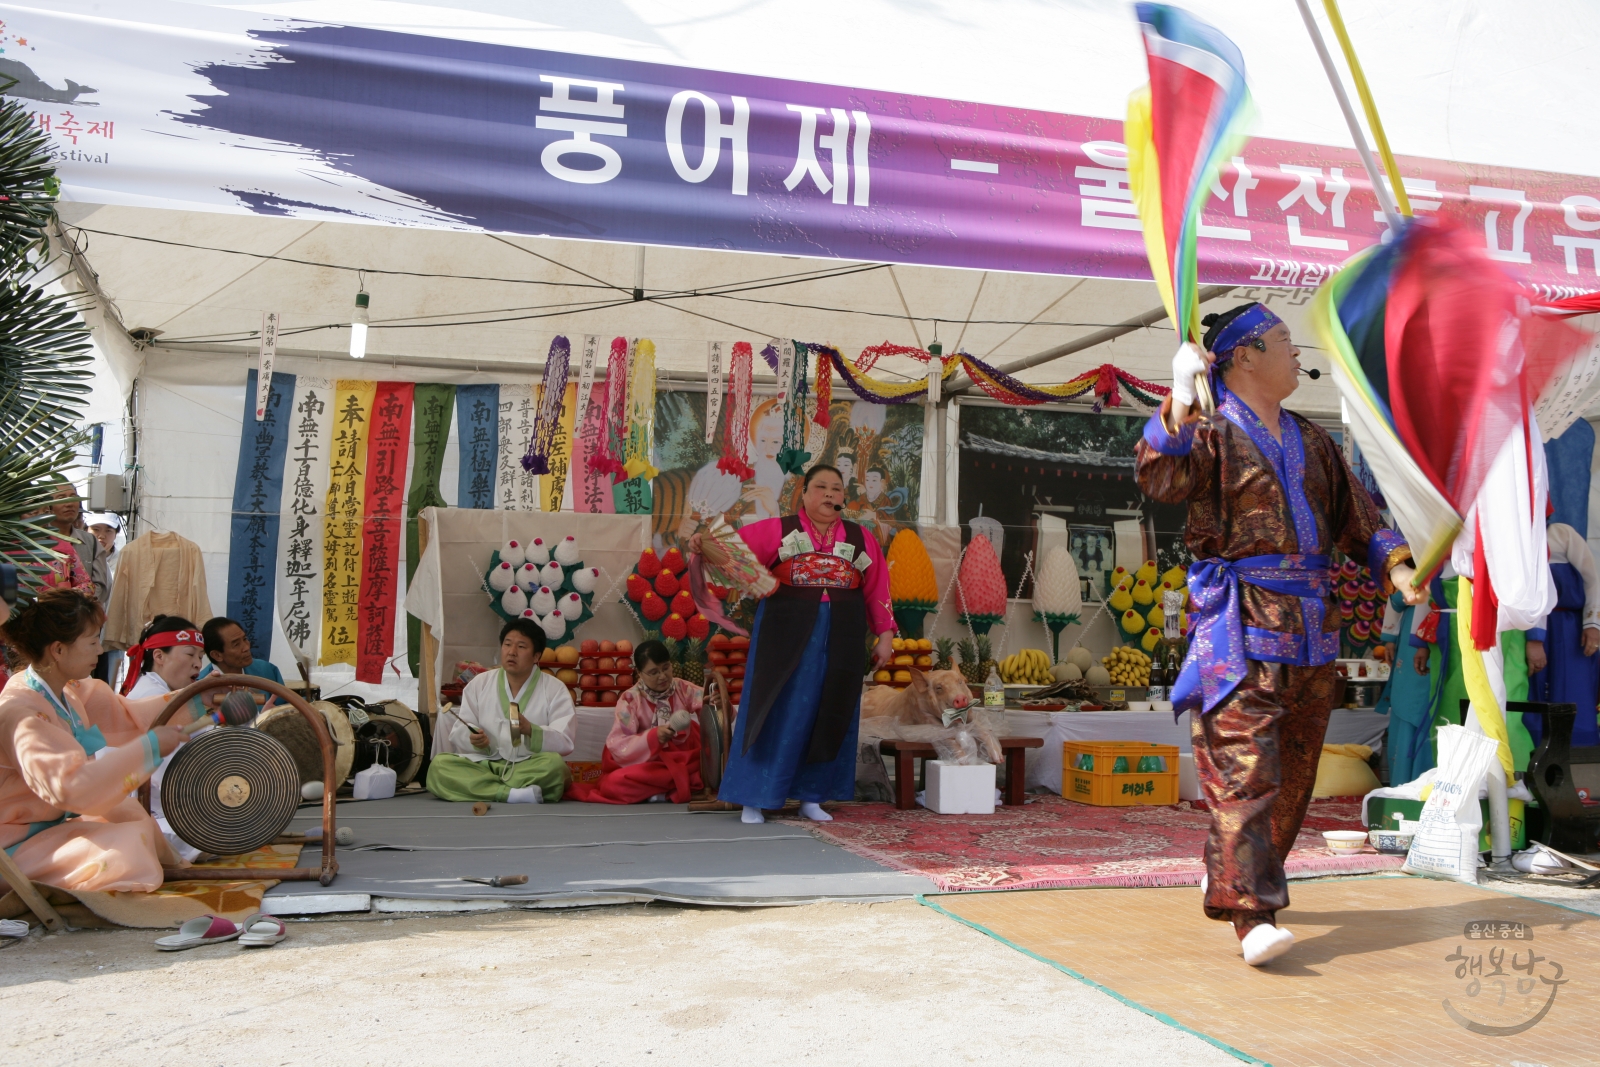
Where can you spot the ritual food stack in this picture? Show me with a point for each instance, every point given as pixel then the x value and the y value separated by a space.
pixel 543 581
pixel 605 671
pixel 1138 602
pixel 728 655
pixel 910 654
pixel 1360 609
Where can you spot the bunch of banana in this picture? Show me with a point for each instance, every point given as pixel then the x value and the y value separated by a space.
pixel 1029 667
pixel 1128 666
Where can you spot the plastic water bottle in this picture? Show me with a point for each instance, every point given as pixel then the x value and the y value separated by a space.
pixel 994 691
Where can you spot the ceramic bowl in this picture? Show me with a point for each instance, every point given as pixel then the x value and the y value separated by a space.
pixel 1391 842
pixel 1138 705
pixel 1345 842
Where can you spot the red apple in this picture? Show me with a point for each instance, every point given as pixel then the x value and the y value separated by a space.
pixel 588 681
pixel 607 647
pixel 589 648
pixel 625 681
pixel 718 657
pixel 624 648
pixel 608 698
pixel 719 641
pixel 720 669
pixel 737 641
pixel 737 670
pixel 591 698
pixel 589 663
pixel 738 657
pixel 608 663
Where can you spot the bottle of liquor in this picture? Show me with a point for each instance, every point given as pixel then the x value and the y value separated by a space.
pixel 1158 672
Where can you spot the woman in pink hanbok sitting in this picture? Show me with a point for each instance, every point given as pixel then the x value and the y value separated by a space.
pixel 653 750
pixel 71 754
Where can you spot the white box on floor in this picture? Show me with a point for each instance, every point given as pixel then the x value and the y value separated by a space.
pixel 1188 784
pixel 957 790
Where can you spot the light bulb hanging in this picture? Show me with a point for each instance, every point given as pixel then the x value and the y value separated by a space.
pixel 358 327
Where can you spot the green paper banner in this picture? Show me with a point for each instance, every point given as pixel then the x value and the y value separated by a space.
pixel 433 405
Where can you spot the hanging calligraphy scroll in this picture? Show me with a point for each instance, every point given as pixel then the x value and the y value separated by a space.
pixel 591 477
pixel 257 496
pixel 431 407
pixel 641 409
pixel 586 368
pixel 478 433
pixel 514 488
pixel 305 496
pixel 713 388
pixel 609 457
pixel 553 486
pixel 343 520
pixel 388 449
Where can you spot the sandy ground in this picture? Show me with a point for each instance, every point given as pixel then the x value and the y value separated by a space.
pixel 828 984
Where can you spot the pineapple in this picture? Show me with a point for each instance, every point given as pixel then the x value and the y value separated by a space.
pixel 690 661
pixel 945 648
pixel 986 661
pixel 969 662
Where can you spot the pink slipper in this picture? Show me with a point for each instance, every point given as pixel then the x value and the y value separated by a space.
pixel 206 930
pixel 262 931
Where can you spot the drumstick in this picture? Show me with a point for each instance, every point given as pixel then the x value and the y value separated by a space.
pixel 238 708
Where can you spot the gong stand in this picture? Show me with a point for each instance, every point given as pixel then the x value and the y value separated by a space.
pixel 319 728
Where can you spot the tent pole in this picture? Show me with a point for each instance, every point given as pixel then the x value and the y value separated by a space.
pixel 1099 337
pixel 1385 197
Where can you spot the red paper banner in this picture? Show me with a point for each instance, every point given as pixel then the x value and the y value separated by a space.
pixel 591 481
pixel 387 447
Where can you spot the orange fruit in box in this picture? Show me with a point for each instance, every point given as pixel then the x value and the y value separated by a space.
pixel 882 677
pixel 924 661
pixel 719 642
pixel 718 657
pixel 737 641
pixel 924 645
pixel 738 657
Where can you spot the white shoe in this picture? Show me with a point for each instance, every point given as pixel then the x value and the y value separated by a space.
pixel 752 815
pixel 814 812
pixel 1264 943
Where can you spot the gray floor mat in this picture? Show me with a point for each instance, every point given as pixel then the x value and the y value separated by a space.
pixel 417 847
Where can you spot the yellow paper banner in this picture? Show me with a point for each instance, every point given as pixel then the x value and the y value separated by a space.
pixel 553 486
pixel 344 518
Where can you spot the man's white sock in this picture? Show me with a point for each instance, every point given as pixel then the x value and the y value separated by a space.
pixel 528 794
pixel 752 814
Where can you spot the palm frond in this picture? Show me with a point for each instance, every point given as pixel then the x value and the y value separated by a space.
pixel 26 485
pixel 44 363
pixel 27 184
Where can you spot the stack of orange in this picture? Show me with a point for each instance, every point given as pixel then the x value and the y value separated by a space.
pixel 910 654
pixel 727 656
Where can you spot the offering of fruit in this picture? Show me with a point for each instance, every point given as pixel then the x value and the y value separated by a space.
pixel 1127 666
pixel 567 656
pixel 624 648
pixel 902 677
pixel 1031 666
pixel 883 677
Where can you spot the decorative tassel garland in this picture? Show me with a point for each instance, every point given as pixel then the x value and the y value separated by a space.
pixel 736 436
pixel 793 457
pixel 641 410
pixel 548 420
pixel 608 458
pixel 824 388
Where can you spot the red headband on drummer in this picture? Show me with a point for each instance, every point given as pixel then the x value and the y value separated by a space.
pixel 169 639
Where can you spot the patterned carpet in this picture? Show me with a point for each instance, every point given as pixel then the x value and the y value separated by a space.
pixel 1051 843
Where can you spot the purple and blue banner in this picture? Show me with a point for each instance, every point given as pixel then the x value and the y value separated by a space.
pixel 257 493
pixel 232 110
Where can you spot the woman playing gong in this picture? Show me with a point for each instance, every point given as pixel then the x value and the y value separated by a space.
pixel 795 735
pixel 71 752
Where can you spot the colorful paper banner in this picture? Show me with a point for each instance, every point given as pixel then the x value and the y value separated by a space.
pixel 305 496
pixel 388 449
pixel 431 409
pixel 478 433
pixel 344 519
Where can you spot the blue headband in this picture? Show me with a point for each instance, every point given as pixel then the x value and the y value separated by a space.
pixel 1242 329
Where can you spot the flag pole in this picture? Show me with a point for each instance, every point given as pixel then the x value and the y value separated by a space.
pixel 1367 104
pixel 1385 199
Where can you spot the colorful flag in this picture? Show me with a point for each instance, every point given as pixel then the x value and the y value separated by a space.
pixel 1180 127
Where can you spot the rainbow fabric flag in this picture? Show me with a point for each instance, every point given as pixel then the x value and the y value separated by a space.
pixel 1180 128
pixel 1438 357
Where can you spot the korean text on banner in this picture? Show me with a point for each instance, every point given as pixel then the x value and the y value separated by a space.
pixel 591 482
pixel 388 447
pixel 257 496
pixel 344 519
pixel 305 496
pixel 514 488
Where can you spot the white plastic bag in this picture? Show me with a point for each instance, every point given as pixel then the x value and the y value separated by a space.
pixel 1446 842
pixel 374 783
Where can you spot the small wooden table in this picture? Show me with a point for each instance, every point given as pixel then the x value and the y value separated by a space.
pixel 905 752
